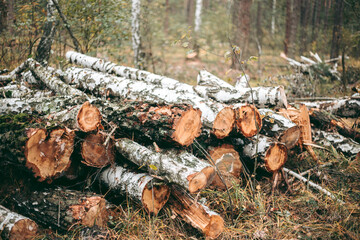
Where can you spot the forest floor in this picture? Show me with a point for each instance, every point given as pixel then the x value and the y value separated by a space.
pixel 302 213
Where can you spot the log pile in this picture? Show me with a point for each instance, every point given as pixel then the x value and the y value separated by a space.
pixel 148 137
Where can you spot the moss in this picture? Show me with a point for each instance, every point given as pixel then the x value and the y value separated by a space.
pixel 14 122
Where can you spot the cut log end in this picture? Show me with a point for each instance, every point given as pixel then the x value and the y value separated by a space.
pixel 248 120
pixel 228 162
pixel 155 197
pixel 224 123
pixel 91 211
pixel 23 229
pixel 215 227
pixel 48 153
pixel 187 127
pixel 88 117
pixel 275 157
pixel 201 179
pixel 290 137
pixel 94 153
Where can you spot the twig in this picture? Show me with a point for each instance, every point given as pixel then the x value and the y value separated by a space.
pixel 314 185
pixel 109 136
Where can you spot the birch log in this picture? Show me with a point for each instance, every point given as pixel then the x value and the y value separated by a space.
pixel 341 107
pixel 141 187
pixel 61 209
pixel 181 167
pixel 342 144
pixel 268 153
pixel 101 84
pixel 197 215
pixel 327 121
pixel 242 82
pixel 14 226
pixel 279 127
pixel 227 161
pixel 21 91
pixel 262 97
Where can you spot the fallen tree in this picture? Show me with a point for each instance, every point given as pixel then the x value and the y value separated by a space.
pixel 341 107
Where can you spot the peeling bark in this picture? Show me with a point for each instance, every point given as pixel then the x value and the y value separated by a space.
pixel 141 187
pixel 181 167
pixel 21 91
pixel 197 215
pixel 61 209
pixel 14 226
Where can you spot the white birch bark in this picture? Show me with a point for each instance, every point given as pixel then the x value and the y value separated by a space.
pixel 135 30
pixel 273 15
pixel 198 15
pixel 182 168
pixel 10 219
pixel 242 82
pixel 223 92
pixel 21 91
pixel 134 184
pixel 343 144
pixel 100 83
pixel 341 107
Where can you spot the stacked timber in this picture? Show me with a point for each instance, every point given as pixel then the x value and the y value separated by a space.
pixel 141 135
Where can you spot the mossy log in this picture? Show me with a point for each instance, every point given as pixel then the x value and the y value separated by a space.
pixel 44 149
pixel 197 215
pixel 141 187
pixel 279 127
pixel 269 154
pixel 327 121
pixel 101 84
pixel 61 209
pixel 178 167
pixel 220 91
pixel 346 107
pixel 14 226
pixel 227 161
pixel 342 144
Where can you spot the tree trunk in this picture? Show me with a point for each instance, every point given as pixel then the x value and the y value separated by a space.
pixel 3 13
pixel 61 209
pixel 190 13
pixel 10 15
pixel 342 144
pixel 167 90
pixel 223 92
pixel 338 21
pixel 273 17
pixel 227 161
pixel 198 16
pixel 136 37
pixel 49 29
pixel 326 121
pixel 341 107
pixel 292 14
pixel 266 152
pixel 177 167
pixel 141 187
pixel 241 21
pixel 304 20
pixel 197 215
pixel 280 128
pixel 14 226
pixel 259 33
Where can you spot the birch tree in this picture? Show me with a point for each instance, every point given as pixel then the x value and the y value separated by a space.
pixel 135 30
